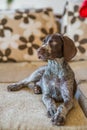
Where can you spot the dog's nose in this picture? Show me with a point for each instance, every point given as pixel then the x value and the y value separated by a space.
pixel 41 50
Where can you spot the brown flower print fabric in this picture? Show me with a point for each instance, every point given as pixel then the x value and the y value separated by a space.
pixel 74 14
pixel 28 44
pixel 80 43
pixel 64 20
pixel 44 31
pixel 24 15
pixel 46 11
pixel 76 28
pixel 3 27
pixel 22 31
pixel 5 56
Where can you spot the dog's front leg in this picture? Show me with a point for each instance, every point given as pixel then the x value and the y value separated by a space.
pixel 33 78
pixel 67 95
pixel 50 105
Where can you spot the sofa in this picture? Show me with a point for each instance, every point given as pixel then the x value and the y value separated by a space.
pixel 21 34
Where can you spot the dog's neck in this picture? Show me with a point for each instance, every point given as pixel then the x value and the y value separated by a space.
pixel 58 62
pixel 56 66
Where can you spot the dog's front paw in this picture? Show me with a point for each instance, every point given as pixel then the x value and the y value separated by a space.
pixel 60 116
pixel 12 87
pixel 51 111
pixel 58 120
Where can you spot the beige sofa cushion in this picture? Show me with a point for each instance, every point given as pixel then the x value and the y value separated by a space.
pixel 83 96
pixel 23 110
pixel 13 72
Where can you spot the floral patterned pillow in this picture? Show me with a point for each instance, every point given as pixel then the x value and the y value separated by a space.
pixel 22 32
pixel 76 28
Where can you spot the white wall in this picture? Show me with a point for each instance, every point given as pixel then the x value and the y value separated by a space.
pixel 2 4
pixel 57 5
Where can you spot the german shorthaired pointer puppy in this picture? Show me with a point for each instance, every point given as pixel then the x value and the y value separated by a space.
pixel 56 79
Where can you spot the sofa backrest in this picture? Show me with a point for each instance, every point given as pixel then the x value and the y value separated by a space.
pixel 76 28
pixel 22 32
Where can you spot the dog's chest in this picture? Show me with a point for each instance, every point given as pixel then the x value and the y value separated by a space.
pixel 52 84
pixel 54 73
pixel 52 76
pixel 52 80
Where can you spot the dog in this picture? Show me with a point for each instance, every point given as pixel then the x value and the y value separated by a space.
pixel 56 80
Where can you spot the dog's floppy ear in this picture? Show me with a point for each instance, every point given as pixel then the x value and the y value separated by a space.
pixel 69 48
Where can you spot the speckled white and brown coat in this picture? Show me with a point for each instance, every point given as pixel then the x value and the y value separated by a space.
pixel 56 80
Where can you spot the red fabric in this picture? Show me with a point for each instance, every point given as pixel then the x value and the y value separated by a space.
pixel 83 9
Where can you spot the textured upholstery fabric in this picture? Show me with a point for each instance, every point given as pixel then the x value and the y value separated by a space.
pixel 22 32
pixel 83 97
pixel 24 110
pixel 13 72
pixel 76 28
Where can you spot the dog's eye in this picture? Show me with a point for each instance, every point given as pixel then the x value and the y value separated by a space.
pixel 50 41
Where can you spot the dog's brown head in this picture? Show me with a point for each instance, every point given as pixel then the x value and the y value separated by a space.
pixel 57 46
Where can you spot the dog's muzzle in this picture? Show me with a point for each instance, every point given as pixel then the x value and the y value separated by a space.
pixel 42 53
